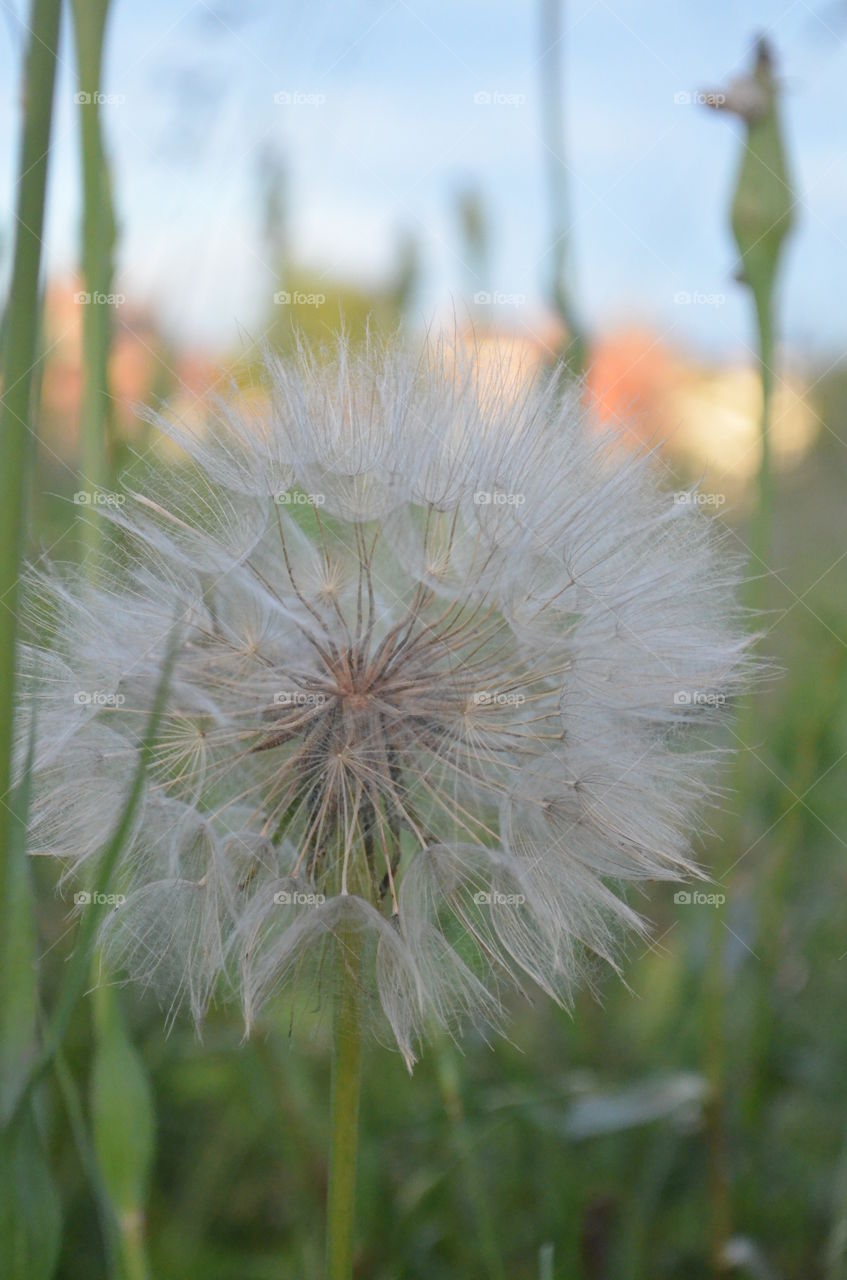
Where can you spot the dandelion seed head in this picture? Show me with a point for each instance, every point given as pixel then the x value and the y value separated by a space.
pixel 438 645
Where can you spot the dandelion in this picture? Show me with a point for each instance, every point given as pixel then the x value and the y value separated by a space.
pixel 441 653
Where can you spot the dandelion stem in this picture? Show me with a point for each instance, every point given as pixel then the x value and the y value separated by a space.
pixel 346 1082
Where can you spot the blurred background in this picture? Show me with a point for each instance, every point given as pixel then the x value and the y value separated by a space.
pixel 546 180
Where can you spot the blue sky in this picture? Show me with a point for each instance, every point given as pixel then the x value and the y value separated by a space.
pixel 391 129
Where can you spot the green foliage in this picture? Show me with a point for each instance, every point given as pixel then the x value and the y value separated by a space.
pixel 121 1107
pixel 19 361
pixel 30 1213
pixel 123 1123
pixel 18 957
pixel 98 246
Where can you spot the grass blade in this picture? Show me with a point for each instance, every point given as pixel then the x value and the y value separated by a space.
pixel 21 332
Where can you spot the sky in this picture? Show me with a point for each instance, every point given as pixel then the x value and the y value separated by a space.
pixel 381 110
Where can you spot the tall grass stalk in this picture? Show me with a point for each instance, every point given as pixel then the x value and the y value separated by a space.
pixel 98 245
pixel 19 357
pixel 122 1107
pixel 449 1081
pixel 575 352
pixel 122 1118
pixel 87 1157
pixel 762 217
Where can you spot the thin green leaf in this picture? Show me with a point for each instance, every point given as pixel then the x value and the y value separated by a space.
pixel 19 359
pixel 88 1159
pixel 18 953
pixel 98 245
pixel 123 1121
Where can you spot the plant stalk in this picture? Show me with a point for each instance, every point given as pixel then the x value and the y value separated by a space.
pixel 760 532
pixel 19 358
pixel 575 353
pixel 98 243
pixel 345 1090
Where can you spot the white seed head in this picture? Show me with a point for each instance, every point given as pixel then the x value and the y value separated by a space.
pixel 440 650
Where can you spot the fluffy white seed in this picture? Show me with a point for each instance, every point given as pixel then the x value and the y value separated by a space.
pixel 440 650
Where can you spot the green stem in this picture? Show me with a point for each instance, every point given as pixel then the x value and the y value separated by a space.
pixel 715 1053
pixel 346 1081
pixel 133 1251
pixel 98 242
pixel 21 331
pixel 716 1040
pixel 760 532
pixel 575 352
pixel 479 1202
pixel 88 1159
